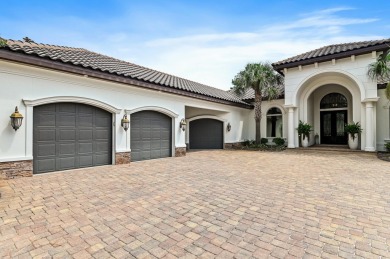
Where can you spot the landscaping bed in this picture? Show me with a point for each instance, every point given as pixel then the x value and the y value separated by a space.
pixel 384 156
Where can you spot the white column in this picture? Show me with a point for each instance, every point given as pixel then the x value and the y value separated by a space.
pixel 291 128
pixel 369 127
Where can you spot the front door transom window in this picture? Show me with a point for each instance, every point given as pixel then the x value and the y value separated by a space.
pixel 333 101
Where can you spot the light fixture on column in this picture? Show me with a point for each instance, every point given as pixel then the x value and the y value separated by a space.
pixel 125 122
pixel 183 124
pixel 229 127
pixel 16 119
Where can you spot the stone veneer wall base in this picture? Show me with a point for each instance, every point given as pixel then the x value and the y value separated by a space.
pixel 180 151
pixel 122 158
pixel 15 169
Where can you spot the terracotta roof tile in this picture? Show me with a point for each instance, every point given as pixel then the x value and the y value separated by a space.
pixel 96 61
pixel 330 50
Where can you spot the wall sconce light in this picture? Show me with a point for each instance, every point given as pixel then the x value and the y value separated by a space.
pixel 16 119
pixel 229 127
pixel 125 122
pixel 183 124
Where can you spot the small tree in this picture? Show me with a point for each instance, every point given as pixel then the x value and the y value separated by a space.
pixel 380 70
pixel 266 83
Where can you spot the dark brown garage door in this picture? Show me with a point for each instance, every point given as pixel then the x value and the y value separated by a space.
pixel 70 135
pixel 151 135
pixel 206 134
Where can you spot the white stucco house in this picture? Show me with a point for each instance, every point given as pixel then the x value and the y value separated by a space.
pixel 73 102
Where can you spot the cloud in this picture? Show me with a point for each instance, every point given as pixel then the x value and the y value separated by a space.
pixel 202 54
pixel 215 58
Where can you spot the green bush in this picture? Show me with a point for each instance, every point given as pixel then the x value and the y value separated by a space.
pixel 3 42
pixel 278 141
pixel 248 143
pixel 353 128
pixel 263 141
pixel 387 146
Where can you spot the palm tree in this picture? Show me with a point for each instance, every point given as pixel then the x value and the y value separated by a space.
pixel 266 83
pixel 380 70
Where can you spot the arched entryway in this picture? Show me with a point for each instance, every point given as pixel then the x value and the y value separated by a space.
pixel 333 117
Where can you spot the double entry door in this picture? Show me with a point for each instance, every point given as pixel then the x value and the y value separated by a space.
pixel 332 127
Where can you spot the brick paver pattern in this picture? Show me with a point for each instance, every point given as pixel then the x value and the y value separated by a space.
pixel 209 204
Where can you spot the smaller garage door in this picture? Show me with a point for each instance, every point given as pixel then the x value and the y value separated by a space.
pixel 206 134
pixel 151 135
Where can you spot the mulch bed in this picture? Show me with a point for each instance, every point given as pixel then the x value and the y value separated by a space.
pixel 385 156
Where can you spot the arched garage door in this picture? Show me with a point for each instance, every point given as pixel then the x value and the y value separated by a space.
pixel 151 135
pixel 71 135
pixel 206 134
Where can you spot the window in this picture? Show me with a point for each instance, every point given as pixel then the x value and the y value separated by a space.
pixel 274 123
pixel 333 101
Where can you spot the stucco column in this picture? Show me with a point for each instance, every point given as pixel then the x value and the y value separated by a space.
pixel 369 127
pixel 291 128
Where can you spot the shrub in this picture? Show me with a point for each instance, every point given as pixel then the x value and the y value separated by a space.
pixel 278 141
pixel 387 146
pixel 263 141
pixel 3 42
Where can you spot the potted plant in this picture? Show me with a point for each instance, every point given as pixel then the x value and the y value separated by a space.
pixel 304 132
pixel 353 129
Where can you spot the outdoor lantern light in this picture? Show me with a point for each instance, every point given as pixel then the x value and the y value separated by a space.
pixel 125 122
pixel 228 127
pixel 183 124
pixel 16 119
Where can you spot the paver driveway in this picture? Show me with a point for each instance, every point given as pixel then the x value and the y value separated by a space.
pixel 207 204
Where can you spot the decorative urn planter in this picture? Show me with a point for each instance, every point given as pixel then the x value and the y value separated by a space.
pixel 353 129
pixel 353 141
pixel 304 141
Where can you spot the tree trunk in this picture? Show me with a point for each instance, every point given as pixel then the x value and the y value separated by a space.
pixel 258 99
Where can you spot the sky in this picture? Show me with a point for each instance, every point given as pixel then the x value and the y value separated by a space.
pixel 207 41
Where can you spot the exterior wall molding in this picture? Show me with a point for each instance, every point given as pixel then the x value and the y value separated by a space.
pixel 72 99
pixel 323 79
pixel 154 108
pixel 214 117
pixel 376 99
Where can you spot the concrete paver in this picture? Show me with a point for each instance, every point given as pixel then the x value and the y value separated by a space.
pixel 209 204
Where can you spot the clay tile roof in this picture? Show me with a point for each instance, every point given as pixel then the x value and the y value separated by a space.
pixel 333 51
pixel 96 61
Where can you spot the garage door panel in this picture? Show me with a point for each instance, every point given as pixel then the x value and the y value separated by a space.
pixel 66 120
pixel 101 159
pixel 46 120
pixel 45 135
pixel 85 134
pixel 151 134
pixel 102 122
pixel 102 147
pixel 206 134
pixel 68 135
pixel 66 107
pixel 45 165
pixel 46 150
pixel 86 160
pixel 102 134
pixel 67 149
pixel 85 121
pixel 85 148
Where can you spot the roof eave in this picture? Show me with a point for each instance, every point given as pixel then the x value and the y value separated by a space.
pixel 58 65
pixel 356 52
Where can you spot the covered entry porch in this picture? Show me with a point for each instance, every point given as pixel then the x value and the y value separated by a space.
pixel 328 101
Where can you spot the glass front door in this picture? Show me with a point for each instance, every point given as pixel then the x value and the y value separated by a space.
pixel 332 127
